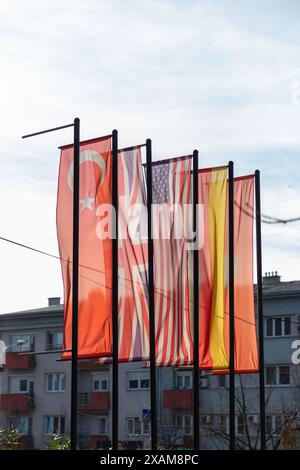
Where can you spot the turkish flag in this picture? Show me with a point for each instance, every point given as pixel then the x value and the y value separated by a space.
pixel 95 251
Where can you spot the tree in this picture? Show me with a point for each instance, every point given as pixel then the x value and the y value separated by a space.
pixel 9 439
pixel 284 434
pixel 59 442
pixel 170 437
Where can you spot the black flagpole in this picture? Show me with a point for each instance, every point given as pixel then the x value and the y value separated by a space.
pixel 75 271
pixel 115 315
pixel 74 370
pixel 231 307
pixel 196 302
pixel 151 299
pixel 260 314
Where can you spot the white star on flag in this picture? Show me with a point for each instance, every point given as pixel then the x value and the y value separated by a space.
pixel 87 202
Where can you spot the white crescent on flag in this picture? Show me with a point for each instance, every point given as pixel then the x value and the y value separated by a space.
pixel 88 156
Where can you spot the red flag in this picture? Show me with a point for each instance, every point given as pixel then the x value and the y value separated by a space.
pixel 95 253
pixel 246 353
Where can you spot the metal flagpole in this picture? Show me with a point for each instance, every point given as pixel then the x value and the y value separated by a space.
pixel 74 370
pixel 75 271
pixel 231 306
pixel 115 314
pixel 196 301
pixel 260 314
pixel 151 299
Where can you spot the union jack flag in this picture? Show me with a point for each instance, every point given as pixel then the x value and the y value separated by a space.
pixel 133 260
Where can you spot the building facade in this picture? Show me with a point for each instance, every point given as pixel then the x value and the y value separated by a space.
pixel 35 386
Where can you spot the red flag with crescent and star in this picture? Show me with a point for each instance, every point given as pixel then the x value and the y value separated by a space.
pixel 95 251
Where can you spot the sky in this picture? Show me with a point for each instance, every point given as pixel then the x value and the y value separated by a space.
pixel 221 76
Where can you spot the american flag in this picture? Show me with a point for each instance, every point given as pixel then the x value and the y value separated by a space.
pixel 174 336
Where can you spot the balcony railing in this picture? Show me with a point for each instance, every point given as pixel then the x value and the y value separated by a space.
pixel 99 442
pixel 25 443
pixel 17 361
pixel 92 364
pixel 56 346
pixel 88 441
pixel 16 402
pixel 177 398
pixel 93 401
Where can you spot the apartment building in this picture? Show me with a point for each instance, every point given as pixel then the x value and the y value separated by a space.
pixel 35 385
pixel 282 382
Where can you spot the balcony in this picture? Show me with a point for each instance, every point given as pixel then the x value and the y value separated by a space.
pixel 17 361
pixel 99 442
pixel 93 402
pixel 178 398
pixel 16 402
pixel 89 441
pixel 93 364
pixel 25 443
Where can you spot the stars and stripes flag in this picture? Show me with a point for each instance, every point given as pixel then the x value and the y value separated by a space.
pixel 171 180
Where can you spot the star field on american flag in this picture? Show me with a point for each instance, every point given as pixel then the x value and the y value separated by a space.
pixel 160 180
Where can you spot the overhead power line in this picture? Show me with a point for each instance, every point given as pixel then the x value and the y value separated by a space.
pixel 158 291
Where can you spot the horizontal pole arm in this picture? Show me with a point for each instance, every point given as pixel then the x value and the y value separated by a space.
pixel 47 130
pixel 51 351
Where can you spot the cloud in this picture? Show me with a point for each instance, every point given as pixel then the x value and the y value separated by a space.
pixel 217 76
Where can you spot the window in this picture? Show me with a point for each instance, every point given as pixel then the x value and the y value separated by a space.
pixel 240 425
pixel 269 424
pixel 21 384
pixel 83 398
pixel 279 326
pixel 273 424
pixel 100 383
pixel 23 424
pixel 22 343
pixel 269 327
pixel 284 375
pixel 222 380
pixel 278 375
pixel 287 326
pixel 54 340
pixel 185 422
pixel 223 424
pixel 56 382
pixel 138 380
pixel 184 380
pixel 103 425
pixel 146 428
pixel 205 420
pixel 134 426
pixel 271 375
pixel 55 424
